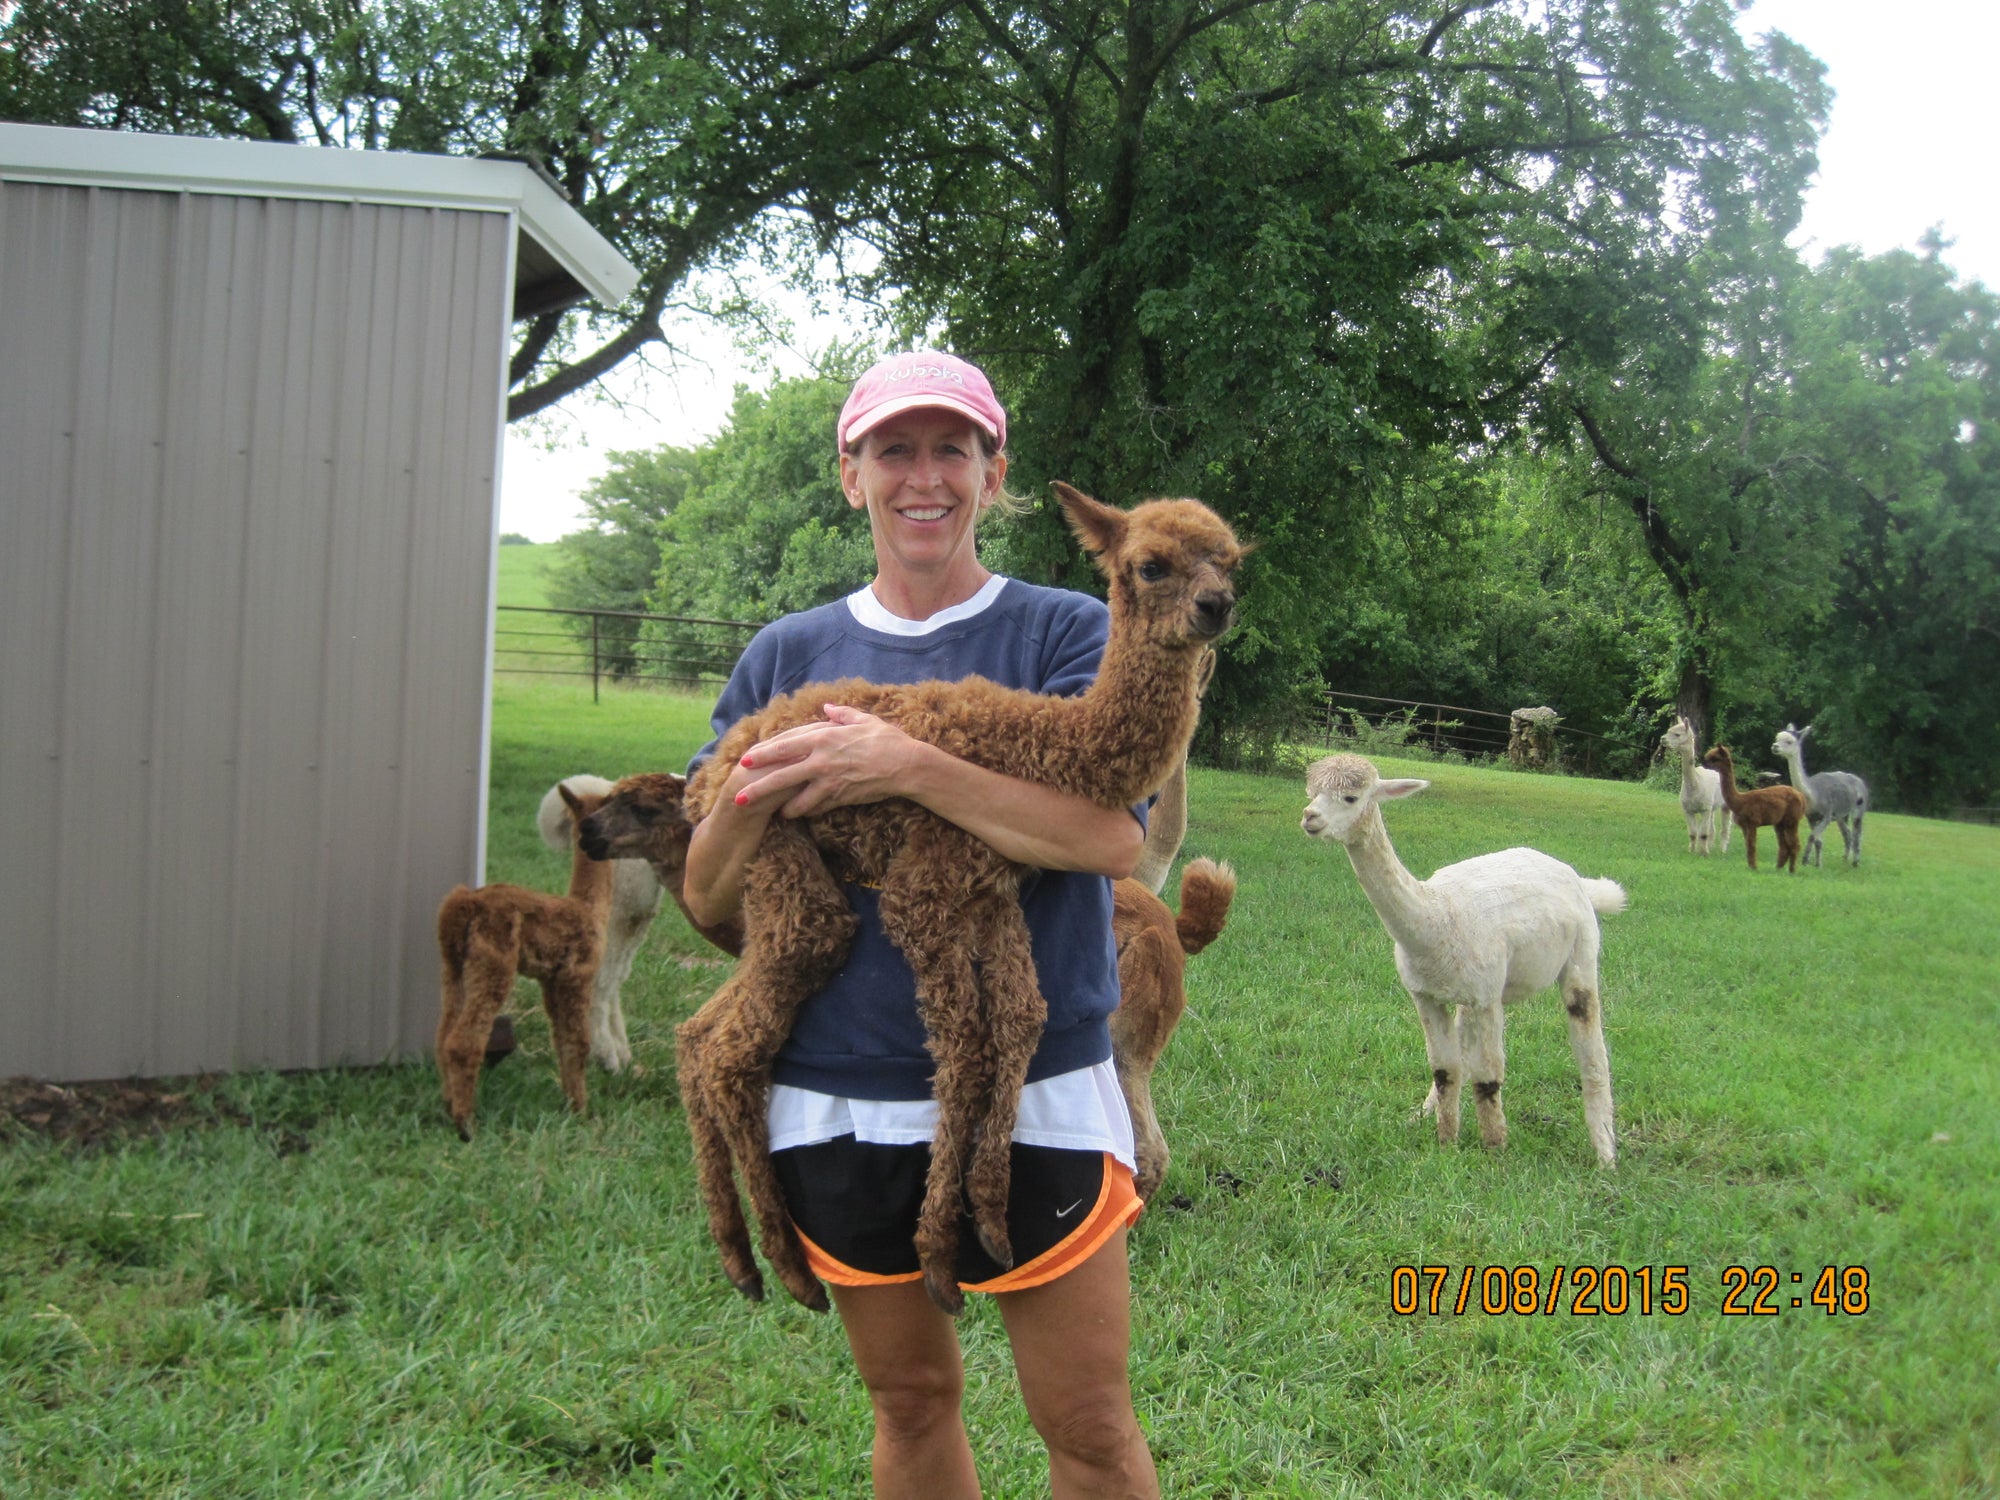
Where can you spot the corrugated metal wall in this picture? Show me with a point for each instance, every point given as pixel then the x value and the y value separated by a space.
pixel 247 475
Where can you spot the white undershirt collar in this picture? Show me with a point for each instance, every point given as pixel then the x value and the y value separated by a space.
pixel 870 611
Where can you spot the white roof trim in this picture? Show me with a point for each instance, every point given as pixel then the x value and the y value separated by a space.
pixel 198 164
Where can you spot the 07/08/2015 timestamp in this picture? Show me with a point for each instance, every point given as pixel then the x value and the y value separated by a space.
pixel 1615 1290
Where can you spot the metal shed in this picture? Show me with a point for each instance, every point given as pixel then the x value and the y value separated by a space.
pixel 251 407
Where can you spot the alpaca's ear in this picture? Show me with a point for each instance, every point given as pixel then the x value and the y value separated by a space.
pixel 1098 526
pixel 570 801
pixel 1803 733
pixel 1407 786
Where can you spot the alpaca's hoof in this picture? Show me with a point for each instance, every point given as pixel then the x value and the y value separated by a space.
pixel 994 1241
pixel 751 1286
pixel 943 1287
pixel 809 1294
pixel 500 1040
pixel 464 1130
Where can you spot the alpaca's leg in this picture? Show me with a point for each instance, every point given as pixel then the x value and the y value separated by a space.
pixel 1814 837
pixel 1441 1046
pixel 1482 1044
pixel 798 931
pixel 1693 823
pixel 1788 846
pixel 486 979
pixel 1750 843
pixel 1854 850
pixel 609 1048
pixel 566 997
pixel 713 1171
pixel 1015 1013
pixel 1584 1003
pixel 928 893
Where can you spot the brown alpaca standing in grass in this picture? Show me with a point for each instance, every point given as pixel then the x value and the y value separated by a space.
pixel 1153 949
pixel 1779 807
pixel 488 936
pixel 642 818
pixel 949 903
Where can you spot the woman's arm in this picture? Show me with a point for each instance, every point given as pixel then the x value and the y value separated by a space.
pixel 855 758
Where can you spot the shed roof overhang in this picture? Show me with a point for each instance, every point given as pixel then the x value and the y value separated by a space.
pixel 559 258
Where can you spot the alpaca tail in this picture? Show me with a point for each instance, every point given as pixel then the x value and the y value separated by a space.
pixel 455 914
pixel 552 817
pixel 1207 888
pixel 1606 896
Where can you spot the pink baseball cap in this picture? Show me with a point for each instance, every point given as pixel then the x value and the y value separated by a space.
pixel 922 378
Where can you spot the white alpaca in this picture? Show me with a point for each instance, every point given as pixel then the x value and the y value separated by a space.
pixel 1701 790
pixel 1476 937
pixel 635 898
pixel 1831 797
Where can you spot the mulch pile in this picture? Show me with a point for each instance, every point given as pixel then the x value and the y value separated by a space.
pixel 91 1114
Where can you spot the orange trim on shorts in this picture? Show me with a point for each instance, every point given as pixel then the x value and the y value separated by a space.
pixel 1118 1204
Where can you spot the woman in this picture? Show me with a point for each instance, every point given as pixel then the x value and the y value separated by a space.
pixel 922 443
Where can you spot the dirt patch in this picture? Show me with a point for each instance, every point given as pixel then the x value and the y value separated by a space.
pixel 109 1112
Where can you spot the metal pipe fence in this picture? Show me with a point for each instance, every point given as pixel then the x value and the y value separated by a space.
pixel 1475 733
pixel 623 645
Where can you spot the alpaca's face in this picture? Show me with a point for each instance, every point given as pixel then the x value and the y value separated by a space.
pixel 1679 736
pixel 1343 788
pixel 642 818
pixel 1171 565
pixel 1786 745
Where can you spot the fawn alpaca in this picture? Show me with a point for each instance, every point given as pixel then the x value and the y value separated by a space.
pixel 1477 937
pixel 1779 807
pixel 949 903
pixel 487 936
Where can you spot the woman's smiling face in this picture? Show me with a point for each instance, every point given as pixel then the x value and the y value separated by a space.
pixel 923 476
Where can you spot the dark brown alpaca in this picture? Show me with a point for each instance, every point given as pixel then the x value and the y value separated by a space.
pixel 487 936
pixel 1779 807
pixel 642 818
pixel 948 901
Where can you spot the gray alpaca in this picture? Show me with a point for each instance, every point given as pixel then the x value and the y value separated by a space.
pixel 1831 797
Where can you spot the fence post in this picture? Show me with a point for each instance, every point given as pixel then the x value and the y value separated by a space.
pixel 594 619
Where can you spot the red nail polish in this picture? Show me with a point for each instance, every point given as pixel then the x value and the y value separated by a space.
pixel 742 799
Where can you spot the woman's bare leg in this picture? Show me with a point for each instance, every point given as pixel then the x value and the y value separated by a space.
pixel 907 1352
pixel 1072 1338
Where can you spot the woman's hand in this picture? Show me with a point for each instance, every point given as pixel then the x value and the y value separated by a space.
pixel 851 758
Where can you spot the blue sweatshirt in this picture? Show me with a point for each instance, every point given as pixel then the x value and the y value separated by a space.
pixel 861 1037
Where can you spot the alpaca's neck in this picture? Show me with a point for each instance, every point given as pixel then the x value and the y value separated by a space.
pixel 1166 828
pixel 1795 762
pixel 1407 908
pixel 1119 740
pixel 1690 769
pixel 1725 768
pixel 591 881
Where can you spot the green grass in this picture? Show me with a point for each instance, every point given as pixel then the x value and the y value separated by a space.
pixel 1805 1073
pixel 522 580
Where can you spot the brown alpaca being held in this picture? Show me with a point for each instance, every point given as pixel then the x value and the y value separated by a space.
pixel 1779 807
pixel 949 903
pixel 488 936
pixel 642 818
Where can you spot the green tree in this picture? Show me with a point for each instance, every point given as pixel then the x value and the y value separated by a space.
pixel 1900 385
pixel 1294 258
pixel 610 563
pixel 684 132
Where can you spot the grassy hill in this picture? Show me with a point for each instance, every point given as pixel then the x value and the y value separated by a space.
pixel 325 1282
pixel 521 580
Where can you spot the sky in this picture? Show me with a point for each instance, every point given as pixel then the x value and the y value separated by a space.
pixel 1909 146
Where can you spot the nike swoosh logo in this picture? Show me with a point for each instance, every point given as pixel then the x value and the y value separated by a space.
pixel 1064 1213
